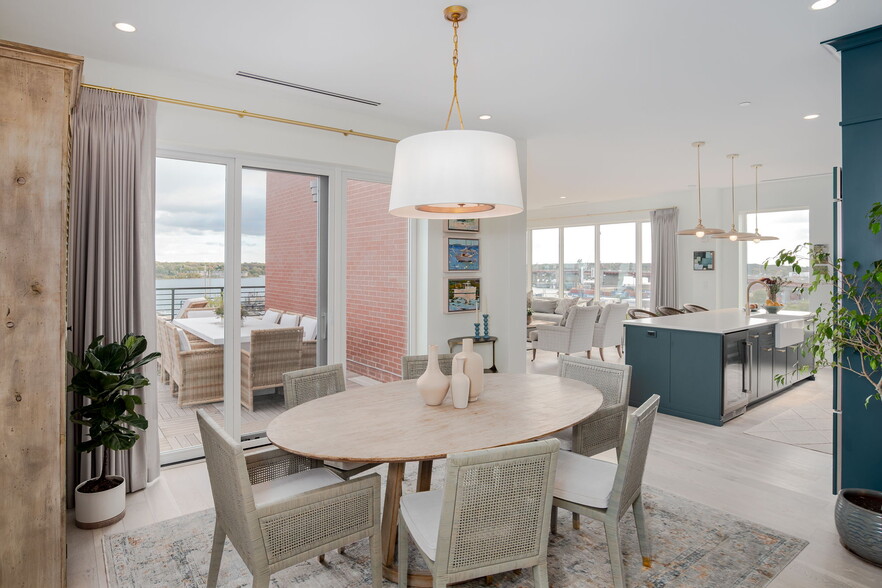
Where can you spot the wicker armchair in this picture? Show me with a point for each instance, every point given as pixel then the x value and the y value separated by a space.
pixel 164 362
pixel 312 383
pixel 605 491
pixel 668 311
pixel 639 313
pixel 694 308
pixel 492 516
pixel 414 366
pixel 577 335
pixel 608 330
pixel 197 374
pixel 280 509
pixel 273 352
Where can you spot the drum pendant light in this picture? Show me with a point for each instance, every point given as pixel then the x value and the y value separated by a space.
pixel 755 236
pixel 733 234
pixel 700 230
pixel 456 173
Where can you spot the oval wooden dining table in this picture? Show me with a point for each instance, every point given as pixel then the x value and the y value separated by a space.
pixel 389 423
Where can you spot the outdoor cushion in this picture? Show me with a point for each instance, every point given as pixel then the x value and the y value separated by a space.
pixel 544 304
pixel 289 320
pixel 309 325
pixel 271 316
pixel 422 513
pixel 584 480
pixel 182 337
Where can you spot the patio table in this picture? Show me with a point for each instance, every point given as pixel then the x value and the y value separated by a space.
pixel 389 423
pixel 211 328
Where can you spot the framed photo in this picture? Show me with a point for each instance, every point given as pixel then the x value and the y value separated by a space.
pixel 463 255
pixel 464 225
pixel 703 261
pixel 463 294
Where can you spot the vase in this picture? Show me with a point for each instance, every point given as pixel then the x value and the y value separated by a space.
pixel 433 384
pixel 459 384
pixel 859 523
pixel 473 367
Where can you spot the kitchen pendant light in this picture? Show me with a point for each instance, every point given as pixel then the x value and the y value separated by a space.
pixel 700 230
pixel 456 173
pixel 733 234
pixel 755 236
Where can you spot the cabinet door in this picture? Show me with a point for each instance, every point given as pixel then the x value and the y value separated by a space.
pixel 697 374
pixel 648 352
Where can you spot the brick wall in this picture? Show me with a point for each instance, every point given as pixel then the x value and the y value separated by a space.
pixel 291 232
pixel 376 283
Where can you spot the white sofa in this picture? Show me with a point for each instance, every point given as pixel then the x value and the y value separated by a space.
pixel 551 309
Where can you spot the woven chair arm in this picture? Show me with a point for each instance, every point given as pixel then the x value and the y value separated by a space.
pixel 307 354
pixel 271 463
pixel 319 496
pixel 602 430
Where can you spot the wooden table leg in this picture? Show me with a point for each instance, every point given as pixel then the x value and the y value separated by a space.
pixel 389 527
pixel 424 476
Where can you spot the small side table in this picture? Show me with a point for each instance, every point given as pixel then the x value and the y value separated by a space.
pixel 451 343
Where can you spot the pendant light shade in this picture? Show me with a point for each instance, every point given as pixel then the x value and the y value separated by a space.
pixel 699 230
pixel 733 234
pixel 456 173
pixel 755 236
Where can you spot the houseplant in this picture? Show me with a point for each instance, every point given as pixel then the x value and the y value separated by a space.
pixel 105 376
pixel 847 334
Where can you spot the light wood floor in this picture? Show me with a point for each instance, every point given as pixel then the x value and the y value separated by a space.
pixel 782 486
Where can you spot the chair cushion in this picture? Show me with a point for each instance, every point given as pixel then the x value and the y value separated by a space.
pixel 182 337
pixel 309 325
pixel 584 480
pixel 271 316
pixel 289 320
pixel 422 513
pixel 544 305
pixel 565 437
pixel 288 486
pixel 344 465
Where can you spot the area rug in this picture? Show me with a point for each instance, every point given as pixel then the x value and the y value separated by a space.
pixel 809 425
pixel 693 545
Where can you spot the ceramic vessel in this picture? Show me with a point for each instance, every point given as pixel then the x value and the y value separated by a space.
pixel 459 384
pixel 100 509
pixel 859 523
pixel 433 384
pixel 473 368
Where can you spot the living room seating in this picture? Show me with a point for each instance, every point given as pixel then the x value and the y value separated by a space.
pixel 273 352
pixel 576 335
pixel 609 329
pixel 414 366
pixel 552 309
pixel 493 515
pixel 605 491
pixel 280 509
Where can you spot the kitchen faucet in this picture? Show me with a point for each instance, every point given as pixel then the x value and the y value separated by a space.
pixel 747 298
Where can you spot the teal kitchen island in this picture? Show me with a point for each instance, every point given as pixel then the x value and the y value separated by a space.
pixel 711 366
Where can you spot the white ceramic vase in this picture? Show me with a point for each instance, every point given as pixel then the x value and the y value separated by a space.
pixel 473 368
pixel 433 384
pixel 100 509
pixel 459 384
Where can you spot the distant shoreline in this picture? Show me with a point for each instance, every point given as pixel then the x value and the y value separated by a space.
pixel 199 270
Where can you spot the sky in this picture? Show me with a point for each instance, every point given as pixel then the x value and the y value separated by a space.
pixel 190 211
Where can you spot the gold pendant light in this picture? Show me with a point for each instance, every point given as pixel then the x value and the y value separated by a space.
pixel 755 236
pixel 700 230
pixel 456 173
pixel 733 234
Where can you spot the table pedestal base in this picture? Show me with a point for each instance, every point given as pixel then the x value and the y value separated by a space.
pixel 391 504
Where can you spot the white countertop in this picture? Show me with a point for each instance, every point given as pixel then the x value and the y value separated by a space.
pixel 727 320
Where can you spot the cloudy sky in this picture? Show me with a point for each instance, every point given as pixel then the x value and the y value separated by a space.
pixel 190 212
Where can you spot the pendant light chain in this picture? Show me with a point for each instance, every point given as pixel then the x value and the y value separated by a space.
pixel 698 159
pixel 455 99
pixel 756 198
pixel 733 192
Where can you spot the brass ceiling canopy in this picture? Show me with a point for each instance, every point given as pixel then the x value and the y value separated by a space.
pixel 456 13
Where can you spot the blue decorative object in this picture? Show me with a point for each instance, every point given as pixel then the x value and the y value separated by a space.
pixel 477 330
pixel 486 325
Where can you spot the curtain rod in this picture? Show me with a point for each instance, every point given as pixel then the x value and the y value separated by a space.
pixel 547 218
pixel 243 113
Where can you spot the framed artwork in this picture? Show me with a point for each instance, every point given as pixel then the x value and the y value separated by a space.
pixel 464 225
pixel 703 260
pixel 463 255
pixel 463 294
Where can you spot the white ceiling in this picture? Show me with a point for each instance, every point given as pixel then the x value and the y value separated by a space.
pixel 607 95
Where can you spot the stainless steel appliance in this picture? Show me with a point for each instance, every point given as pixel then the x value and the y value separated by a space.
pixel 736 374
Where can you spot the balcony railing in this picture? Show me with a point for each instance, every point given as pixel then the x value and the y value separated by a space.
pixel 169 300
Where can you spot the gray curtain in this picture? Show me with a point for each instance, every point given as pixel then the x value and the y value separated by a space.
pixel 664 258
pixel 111 284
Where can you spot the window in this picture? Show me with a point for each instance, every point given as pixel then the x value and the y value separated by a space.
pixel 546 262
pixel 792 229
pixel 618 263
pixel 579 267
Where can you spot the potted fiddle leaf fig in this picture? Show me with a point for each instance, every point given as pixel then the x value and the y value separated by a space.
pixel 105 377
pixel 847 334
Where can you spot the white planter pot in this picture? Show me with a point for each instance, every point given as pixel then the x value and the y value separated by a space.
pixel 100 509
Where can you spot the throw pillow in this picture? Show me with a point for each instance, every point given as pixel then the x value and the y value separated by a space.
pixel 566 316
pixel 563 304
pixel 185 343
pixel 546 305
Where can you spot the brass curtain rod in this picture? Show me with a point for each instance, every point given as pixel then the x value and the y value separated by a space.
pixel 243 113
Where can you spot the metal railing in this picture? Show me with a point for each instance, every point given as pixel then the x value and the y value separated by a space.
pixel 170 300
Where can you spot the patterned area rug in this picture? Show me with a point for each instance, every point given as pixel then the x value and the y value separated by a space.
pixel 809 425
pixel 693 545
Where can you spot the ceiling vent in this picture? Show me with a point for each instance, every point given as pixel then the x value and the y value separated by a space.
pixel 260 78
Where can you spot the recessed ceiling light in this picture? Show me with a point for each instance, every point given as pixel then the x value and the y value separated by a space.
pixel 125 27
pixel 744 103
pixel 811 116
pixel 822 4
pixel 485 117
pixel 563 197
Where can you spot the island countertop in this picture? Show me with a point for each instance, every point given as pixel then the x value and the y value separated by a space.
pixel 727 320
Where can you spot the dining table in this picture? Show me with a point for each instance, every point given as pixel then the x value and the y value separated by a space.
pixel 211 329
pixel 390 423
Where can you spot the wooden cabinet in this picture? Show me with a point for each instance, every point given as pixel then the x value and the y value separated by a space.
pixel 37 91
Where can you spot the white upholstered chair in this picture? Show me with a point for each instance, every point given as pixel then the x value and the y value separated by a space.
pixel 575 336
pixel 280 509
pixel 493 515
pixel 605 491
pixel 609 329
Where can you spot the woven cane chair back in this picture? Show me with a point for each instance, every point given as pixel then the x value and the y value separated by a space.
pixel 305 385
pixel 414 366
pixel 629 475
